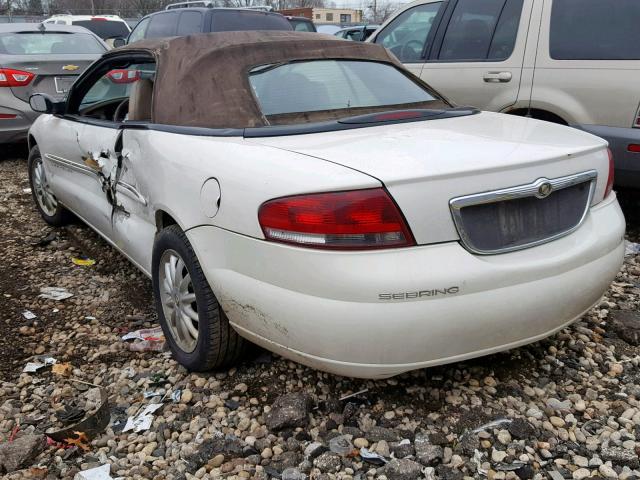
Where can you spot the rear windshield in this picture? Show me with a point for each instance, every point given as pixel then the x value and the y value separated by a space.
pixel 300 25
pixel 333 87
pixel 104 28
pixel 36 43
pixel 235 20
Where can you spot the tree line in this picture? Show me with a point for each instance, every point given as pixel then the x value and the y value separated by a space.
pixel 128 8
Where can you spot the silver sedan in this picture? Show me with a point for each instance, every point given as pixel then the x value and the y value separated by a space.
pixel 39 58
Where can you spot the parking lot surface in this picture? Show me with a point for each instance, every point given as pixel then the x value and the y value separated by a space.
pixel 569 404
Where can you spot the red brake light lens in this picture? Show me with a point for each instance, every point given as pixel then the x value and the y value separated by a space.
pixel 123 76
pixel 358 219
pixel 610 178
pixel 633 148
pixel 15 78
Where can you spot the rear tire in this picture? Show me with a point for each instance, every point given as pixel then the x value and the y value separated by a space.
pixel 179 285
pixel 46 202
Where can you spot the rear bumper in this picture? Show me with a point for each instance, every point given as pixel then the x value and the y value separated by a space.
pixel 15 129
pixel 627 163
pixel 323 309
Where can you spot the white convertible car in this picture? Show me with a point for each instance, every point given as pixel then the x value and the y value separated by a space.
pixel 311 196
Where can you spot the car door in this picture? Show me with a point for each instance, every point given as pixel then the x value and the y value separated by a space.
pixel 119 99
pixel 478 52
pixel 409 34
pixel 78 158
pixel 93 106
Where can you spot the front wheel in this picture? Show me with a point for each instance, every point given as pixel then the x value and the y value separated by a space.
pixel 195 326
pixel 50 209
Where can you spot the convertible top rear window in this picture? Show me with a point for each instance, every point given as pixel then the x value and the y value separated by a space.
pixel 331 88
pixel 37 43
pixel 211 80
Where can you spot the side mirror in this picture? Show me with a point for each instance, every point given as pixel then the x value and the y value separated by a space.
pixel 43 103
pixel 119 42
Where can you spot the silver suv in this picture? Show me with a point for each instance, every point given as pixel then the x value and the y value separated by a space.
pixel 575 62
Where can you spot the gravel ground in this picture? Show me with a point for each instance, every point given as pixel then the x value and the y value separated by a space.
pixel 566 407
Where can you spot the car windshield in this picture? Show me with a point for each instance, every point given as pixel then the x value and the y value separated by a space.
pixel 334 86
pixel 36 43
pixel 104 28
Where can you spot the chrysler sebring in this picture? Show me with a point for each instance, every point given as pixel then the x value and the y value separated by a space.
pixel 311 196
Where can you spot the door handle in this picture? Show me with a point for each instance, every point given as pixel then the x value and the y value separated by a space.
pixel 497 77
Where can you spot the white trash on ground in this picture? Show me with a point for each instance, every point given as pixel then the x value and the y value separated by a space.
pixel 55 293
pixel 146 339
pixel 98 473
pixel 142 420
pixel 32 367
pixel 631 248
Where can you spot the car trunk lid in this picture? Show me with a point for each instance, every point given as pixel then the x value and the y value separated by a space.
pixel 425 165
pixel 53 74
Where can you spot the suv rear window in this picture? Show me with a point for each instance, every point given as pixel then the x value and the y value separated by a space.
pixel 332 85
pixel 36 43
pixel 234 20
pixel 104 28
pixel 595 30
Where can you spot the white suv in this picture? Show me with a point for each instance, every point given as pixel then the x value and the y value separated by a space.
pixel 575 62
pixel 107 27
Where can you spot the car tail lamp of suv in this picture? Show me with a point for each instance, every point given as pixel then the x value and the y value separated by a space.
pixel 352 220
pixel 15 78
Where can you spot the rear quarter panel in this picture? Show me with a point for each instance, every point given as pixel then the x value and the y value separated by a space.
pixel 175 167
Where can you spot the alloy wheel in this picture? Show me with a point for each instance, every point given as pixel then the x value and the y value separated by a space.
pixel 178 300
pixel 46 199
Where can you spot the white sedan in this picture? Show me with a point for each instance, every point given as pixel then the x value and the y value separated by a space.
pixel 313 197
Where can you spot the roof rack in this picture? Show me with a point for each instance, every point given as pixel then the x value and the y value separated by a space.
pixel 198 3
pixel 261 8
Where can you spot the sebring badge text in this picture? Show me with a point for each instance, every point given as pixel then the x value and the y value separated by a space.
pixel 420 294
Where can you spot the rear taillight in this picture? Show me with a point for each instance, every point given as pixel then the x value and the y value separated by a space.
pixel 610 178
pixel 124 76
pixel 7 116
pixel 358 219
pixel 15 78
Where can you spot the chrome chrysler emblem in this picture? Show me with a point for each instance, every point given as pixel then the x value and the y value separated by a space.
pixel 544 190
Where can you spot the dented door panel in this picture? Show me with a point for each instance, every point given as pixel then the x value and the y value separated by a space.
pixel 134 219
pixel 97 146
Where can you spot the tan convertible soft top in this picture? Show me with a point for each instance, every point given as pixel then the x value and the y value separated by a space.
pixel 202 80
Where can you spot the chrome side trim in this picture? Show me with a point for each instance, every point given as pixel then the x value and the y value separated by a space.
pixel 538 188
pixel 64 163
pixel 131 192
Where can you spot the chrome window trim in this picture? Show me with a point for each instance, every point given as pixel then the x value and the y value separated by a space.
pixel 522 191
